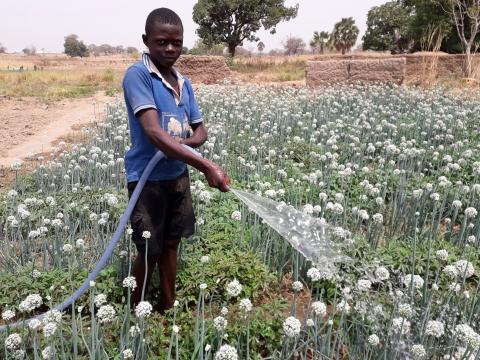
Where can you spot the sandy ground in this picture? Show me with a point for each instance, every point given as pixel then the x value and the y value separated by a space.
pixel 29 126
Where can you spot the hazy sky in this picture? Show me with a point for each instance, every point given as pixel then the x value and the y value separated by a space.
pixel 44 23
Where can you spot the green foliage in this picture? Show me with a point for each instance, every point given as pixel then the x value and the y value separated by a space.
pixel 233 21
pixel 74 47
pixel 319 41
pixel 385 24
pixel 56 283
pixel 428 16
pixel 344 35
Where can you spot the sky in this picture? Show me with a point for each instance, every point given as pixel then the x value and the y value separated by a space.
pixel 45 23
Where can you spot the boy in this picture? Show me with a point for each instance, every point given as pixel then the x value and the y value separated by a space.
pixel 161 110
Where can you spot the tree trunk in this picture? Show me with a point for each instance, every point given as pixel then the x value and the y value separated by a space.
pixel 467 63
pixel 231 49
pixel 321 49
pixel 343 51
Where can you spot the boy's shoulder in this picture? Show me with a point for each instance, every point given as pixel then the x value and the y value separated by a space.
pixel 136 67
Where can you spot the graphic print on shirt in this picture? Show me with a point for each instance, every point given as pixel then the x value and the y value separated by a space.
pixel 174 126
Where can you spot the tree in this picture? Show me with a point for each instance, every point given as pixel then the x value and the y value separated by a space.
pixel 466 16
pixel 344 35
pixel 294 46
pixel 260 47
pixel 131 50
pixel 74 47
pixel 3 49
pixel 428 17
pixel 319 41
pixel 233 21
pixel 387 24
pixel 30 50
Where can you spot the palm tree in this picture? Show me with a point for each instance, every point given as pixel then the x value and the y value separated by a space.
pixel 344 35
pixel 319 41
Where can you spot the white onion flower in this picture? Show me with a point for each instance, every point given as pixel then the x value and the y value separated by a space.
pixel 364 285
pixel 30 303
pixel 130 282
pixel 220 323
pixel 234 288
pixel 13 341
pixel 49 329
pixel 417 281
pixel 226 352
pixel 8 315
pixel 400 326
pixel 47 353
pixel 100 299
pixel 297 286
pixel 291 327
pixel 143 309
pixel 319 308
pixel 245 305
pixel 418 352
pixel 442 255
pixel 382 273
pixel 106 314
pixel 236 215
pixel 127 354
pixel 435 328
pixel 373 340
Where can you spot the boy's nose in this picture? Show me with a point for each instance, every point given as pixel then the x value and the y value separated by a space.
pixel 170 47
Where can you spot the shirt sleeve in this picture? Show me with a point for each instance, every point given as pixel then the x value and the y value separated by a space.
pixel 137 88
pixel 195 114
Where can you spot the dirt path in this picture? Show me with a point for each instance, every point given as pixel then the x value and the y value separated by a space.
pixel 29 126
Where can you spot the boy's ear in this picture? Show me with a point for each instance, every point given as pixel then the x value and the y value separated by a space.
pixel 145 39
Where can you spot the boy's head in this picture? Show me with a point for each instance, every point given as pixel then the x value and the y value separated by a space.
pixel 163 36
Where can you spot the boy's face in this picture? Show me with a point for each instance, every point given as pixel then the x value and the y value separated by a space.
pixel 165 43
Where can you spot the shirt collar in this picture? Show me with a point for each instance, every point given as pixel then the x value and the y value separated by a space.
pixel 147 61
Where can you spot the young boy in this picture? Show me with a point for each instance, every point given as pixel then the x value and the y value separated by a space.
pixel 161 111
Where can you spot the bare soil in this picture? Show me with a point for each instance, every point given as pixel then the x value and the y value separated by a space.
pixel 29 125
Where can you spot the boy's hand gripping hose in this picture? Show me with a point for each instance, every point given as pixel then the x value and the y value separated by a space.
pixel 111 246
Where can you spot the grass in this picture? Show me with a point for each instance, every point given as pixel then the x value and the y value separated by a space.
pixel 275 71
pixel 59 84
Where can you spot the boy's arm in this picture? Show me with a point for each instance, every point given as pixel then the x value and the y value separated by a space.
pixel 198 138
pixel 216 177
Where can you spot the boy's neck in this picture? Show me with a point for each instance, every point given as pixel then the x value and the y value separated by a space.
pixel 165 71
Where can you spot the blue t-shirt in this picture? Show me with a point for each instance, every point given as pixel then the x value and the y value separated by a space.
pixel 144 88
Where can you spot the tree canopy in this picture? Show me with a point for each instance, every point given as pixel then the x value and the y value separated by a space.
pixel 319 41
pixel 386 24
pixel 74 47
pixel 344 35
pixel 3 49
pixel 294 46
pixel 233 21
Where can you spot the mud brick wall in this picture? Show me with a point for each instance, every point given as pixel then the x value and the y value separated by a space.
pixel 416 69
pixel 204 69
pixel 329 72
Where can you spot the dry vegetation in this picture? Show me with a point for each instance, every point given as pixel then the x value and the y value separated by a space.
pixel 58 84
pixel 53 77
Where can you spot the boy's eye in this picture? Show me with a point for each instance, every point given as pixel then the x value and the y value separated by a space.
pixel 176 43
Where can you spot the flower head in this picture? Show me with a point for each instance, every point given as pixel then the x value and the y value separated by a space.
pixel 291 327
pixel 226 352
pixel 234 288
pixel 143 309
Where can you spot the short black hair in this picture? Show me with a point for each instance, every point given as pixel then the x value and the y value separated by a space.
pixel 162 16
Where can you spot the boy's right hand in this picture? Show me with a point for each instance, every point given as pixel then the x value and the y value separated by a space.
pixel 216 177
